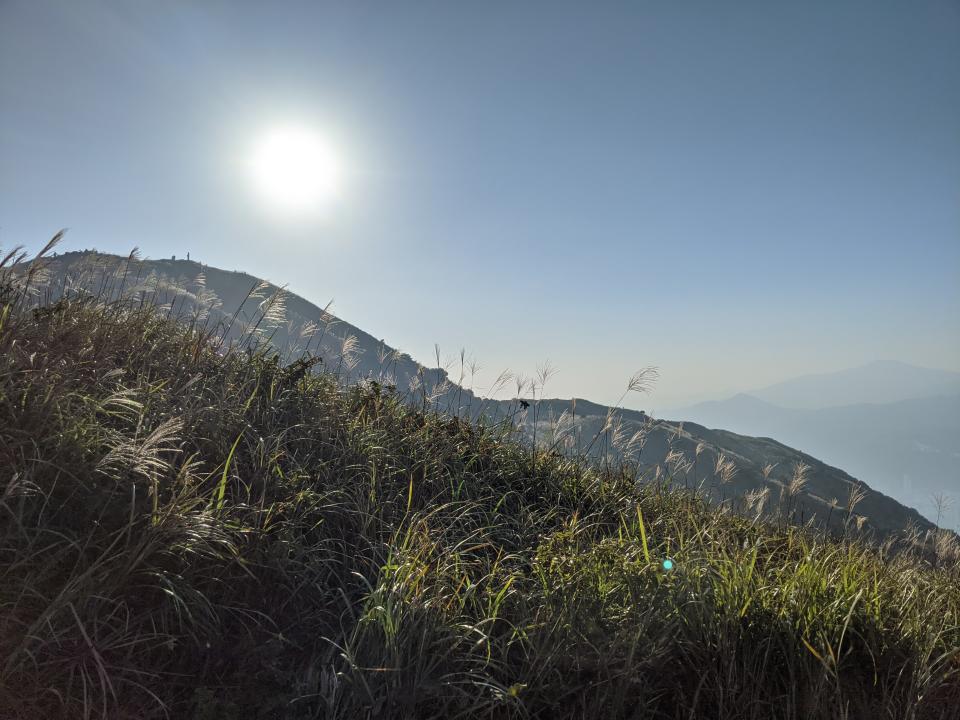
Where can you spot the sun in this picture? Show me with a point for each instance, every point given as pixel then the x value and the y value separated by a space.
pixel 295 170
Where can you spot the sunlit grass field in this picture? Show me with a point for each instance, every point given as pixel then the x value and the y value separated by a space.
pixel 191 529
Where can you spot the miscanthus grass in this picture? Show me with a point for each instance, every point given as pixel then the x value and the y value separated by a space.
pixel 191 529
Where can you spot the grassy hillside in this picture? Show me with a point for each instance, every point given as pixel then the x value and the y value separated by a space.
pixel 194 530
pixel 749 474
pixel 909 448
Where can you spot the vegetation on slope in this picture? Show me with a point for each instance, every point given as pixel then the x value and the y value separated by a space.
pixel 756 475
pixel 195 530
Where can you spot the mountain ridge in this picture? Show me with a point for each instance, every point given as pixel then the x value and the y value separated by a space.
pixel 908 447
pixel 670 448
pixel 881 381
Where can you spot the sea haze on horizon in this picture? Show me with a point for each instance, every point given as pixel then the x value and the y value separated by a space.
pixel 738 193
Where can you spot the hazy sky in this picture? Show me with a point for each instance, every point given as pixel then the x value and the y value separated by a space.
pixel 736 192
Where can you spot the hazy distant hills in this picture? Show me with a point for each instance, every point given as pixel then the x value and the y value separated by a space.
pixel 690 453
pixel 908 448
pixel 883 381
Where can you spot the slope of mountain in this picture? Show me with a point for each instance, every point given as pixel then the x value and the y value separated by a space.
pixel 192 531
pixel 877 382
pixel 909 449
pixel 221 294
pixel 724 465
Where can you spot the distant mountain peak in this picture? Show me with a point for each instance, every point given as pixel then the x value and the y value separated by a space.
pixel 880 381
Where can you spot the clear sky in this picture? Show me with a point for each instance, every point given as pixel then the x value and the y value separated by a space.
pixel 736 192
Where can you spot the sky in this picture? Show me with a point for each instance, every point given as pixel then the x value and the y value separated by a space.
pixel 736 192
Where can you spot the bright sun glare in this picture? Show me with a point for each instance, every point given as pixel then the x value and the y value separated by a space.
pixel 295 170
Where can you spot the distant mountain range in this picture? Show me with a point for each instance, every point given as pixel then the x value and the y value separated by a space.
pixel 906 447
pixel 751 473
pixel 884 381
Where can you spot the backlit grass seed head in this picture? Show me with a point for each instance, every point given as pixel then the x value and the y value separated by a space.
pixel 564 424
pixel 946 545
pixel 609 420
pixel 545 372
pixel 856 496
pixel 725 469
pixel 673 459
pixel 618 439
pixel 349 345
pixel 439 390
pixel 798 480
pixel 274 308
pixel 308 330
pixel 756 500
pixel 145 458
pixel 636 442
pixel 521 385
pixel 260 291
pixel 643 380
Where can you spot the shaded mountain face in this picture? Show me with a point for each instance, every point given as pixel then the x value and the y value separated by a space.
pixel 750 474
pixel 909 449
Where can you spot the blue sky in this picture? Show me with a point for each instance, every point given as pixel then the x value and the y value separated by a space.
pixel 736 192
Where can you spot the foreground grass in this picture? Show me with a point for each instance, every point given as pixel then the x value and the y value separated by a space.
pixel 194 533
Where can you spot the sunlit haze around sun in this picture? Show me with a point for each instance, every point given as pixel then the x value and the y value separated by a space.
pixel 295 170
